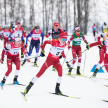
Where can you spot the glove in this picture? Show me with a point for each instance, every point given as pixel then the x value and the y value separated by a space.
pixel 23 62
pixel 88 46
pixel 60 56
pixel 41 44
pixel 26 45
pixel 99 46
pixel 42 53
pixel 69 46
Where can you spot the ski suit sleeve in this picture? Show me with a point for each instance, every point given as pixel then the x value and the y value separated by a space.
pixel 63 54
pixel 46 42
pixel 28 36
pixel 84 39
pixel 42 35
pixel 95 44
pixel 72 37
pixel 7 48
pixel 50 32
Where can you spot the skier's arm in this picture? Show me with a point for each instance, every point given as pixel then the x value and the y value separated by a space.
pixel 46 42
pixel 96 43
pixel 42 35
pixel 28 36
pixel 72 37
pixel 50 32
pixel 85 39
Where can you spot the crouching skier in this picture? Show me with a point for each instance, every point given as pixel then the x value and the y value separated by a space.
pixel 12 50
pixel 53 59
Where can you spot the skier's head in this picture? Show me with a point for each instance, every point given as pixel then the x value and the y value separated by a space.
pixel 77 30
pixel 56 25
pixel 0 28
pixel 105 23
pixel 63 37
pixel 6 27
pixel 18 24
pixel 37 28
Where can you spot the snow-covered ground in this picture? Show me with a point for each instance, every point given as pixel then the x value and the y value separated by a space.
pixel 91 91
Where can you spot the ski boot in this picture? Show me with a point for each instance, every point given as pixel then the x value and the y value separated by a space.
pixel 22 55
pixel 35 63
pixel 3 82
pixel 1 61
pixel 23 62
pixel 67 63
pixel 69 72
pixel 57 89
pixel 15 80
pixel 78 70
pixel 95 72
pixel 53 68
pixel 28 88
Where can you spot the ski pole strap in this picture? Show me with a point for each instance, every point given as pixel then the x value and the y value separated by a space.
pixel 78 55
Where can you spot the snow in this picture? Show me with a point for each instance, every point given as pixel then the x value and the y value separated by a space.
pixel 91 91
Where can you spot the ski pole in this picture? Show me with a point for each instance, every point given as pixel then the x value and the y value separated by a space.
pixel 78 55
pixel 65 57
pixel 84 63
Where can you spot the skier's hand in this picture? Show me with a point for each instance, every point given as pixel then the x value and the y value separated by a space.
pixel 60 56
pixel 99 46
pixel 26 45
pixel 42 53
pixel 69 46
pixel 88 46
pixel 47 35
pixel 41 45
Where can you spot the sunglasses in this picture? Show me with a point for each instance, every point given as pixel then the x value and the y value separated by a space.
pixel 64 39
pixel 56 25
pixel 77 31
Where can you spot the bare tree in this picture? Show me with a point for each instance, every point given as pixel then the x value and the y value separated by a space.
pixel 31 13
pixel 86 9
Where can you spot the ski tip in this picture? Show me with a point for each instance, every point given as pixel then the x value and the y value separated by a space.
pixel 74 97
pixel 104 100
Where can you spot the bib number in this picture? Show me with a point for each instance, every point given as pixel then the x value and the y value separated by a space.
pixel 57 53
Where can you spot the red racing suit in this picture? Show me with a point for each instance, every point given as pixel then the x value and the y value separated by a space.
pixel 53 57
pixel 12 57
pixel 106 53
pixel 76 47
pixel 21 34
pixel 6 34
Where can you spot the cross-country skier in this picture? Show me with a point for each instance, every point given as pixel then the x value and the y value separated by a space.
pixel 19 30
pixel 94 29
pixel 35 35
pixel 76 39
pixel 104 27
pixel 6 32
pixel 102 51
pixel 1 30
pixel 55 33
pixel 106 53
pixel 12 50
pixel 53 59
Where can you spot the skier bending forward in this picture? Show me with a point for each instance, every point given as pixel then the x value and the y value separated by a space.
pixel 53 59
